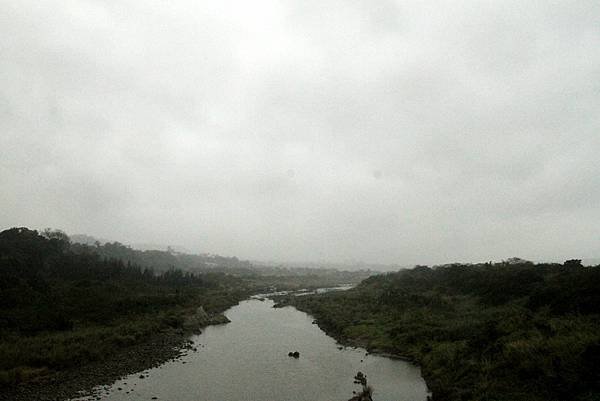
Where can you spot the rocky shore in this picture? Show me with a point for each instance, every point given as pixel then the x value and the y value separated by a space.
pixel 79 382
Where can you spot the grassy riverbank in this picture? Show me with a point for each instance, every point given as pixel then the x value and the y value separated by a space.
pixel 63 311
pixel 65 383
pixel 480 332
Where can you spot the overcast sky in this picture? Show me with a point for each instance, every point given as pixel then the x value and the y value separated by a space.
pixel 303 130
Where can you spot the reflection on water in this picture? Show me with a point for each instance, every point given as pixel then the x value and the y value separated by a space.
pixel 247 360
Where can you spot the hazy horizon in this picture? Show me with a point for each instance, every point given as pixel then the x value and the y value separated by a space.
pixel 348 264
pixel 395 132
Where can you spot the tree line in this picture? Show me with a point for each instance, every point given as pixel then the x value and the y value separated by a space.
pixel 493 331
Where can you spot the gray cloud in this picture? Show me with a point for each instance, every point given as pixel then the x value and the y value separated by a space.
pixel 395 132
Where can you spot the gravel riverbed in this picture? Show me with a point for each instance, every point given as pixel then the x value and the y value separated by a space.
pixel 80 381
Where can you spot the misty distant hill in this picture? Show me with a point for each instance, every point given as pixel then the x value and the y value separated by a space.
pixel 338 266
pixel 160 247
pixel 590 261
pixel 91 240
pixel 86 239
pixel 165 257
pixel 157 259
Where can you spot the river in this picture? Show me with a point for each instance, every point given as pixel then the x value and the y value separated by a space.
pixel 247 360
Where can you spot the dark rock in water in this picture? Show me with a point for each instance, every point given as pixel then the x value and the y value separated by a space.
pixel 367 391
pixel 360 378
pixel 363 396
pixel 142 376
pixel 290 353
pixel 296 354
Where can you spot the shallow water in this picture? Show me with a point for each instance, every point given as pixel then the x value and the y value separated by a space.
pixel 247 360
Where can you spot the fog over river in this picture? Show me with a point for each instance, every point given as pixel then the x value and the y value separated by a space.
pixel 247 360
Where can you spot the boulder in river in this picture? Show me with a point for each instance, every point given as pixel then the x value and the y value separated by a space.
pixel 360 378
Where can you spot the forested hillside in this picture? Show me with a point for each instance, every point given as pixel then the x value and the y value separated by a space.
pixel 62 309
pixel 505 331
pixel 160 260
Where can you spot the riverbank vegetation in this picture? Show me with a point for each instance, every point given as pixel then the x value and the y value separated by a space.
pixel 506 331
pixel 61 309
pixel 67 305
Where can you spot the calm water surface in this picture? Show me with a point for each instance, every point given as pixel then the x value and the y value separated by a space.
pixel 246 360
